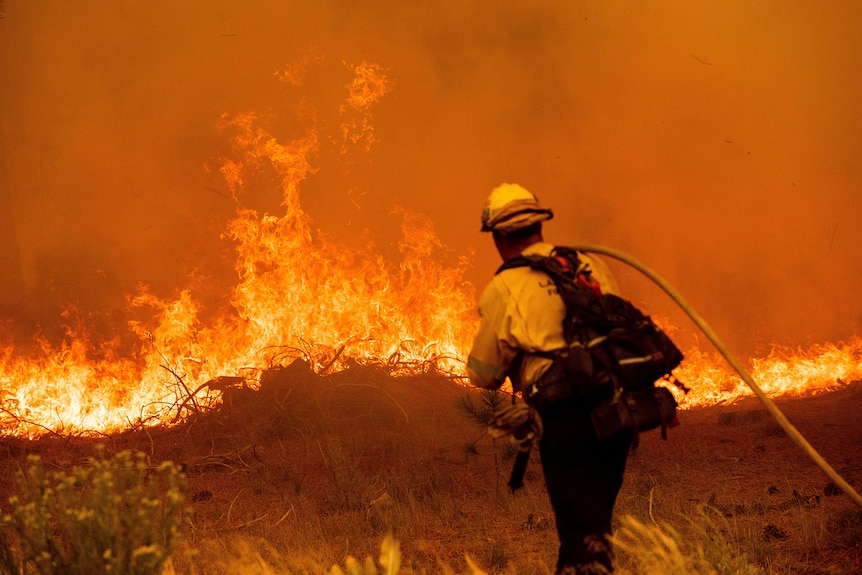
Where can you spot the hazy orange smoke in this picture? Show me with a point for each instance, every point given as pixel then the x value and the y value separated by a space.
pixel 245 186
pixel 300 294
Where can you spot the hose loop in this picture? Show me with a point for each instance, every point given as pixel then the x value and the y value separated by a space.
pixel 767 402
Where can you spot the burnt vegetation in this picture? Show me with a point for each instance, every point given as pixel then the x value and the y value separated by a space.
pixel 305 467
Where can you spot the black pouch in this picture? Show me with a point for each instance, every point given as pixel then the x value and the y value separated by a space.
pixel 635 411
pixel 638 355
pixel 572 375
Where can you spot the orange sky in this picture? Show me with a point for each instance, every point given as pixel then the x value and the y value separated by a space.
pixel 718 142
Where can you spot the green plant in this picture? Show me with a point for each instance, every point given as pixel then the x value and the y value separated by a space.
pixel 481 416
pixel 660 550
pixel 492 400
pixel 114 515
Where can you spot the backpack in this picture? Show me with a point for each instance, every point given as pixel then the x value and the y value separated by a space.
pixel 615 353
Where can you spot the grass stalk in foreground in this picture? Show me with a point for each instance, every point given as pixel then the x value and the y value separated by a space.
pixel 660 550
pixel 113 515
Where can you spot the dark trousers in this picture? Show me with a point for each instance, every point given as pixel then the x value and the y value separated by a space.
pixel 583 476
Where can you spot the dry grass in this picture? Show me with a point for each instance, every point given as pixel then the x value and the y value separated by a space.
pixel 306 471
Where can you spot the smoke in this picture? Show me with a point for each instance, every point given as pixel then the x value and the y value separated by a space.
pixel 717 142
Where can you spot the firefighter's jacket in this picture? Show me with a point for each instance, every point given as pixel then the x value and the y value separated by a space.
pixel 521 314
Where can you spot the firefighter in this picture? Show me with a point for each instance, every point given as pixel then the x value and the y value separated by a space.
pixel 521 326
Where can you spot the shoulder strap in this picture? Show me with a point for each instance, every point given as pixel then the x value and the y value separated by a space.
pixel 562 260
pixel 564 267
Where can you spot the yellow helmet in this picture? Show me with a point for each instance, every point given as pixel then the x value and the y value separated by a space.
pixel 510 207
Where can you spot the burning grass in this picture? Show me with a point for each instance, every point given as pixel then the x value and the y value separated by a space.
pixel 315 409
pixel 307 469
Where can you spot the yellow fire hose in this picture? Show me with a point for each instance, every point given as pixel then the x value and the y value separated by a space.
pixel 782 420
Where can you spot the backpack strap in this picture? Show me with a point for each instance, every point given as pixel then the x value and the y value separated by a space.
pixel 574 266
pixel 565 269
pixel 566 262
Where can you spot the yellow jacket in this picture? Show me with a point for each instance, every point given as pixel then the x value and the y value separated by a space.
pixel 521 310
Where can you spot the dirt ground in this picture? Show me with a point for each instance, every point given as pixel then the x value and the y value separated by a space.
pixel 326 466
pixel 788 514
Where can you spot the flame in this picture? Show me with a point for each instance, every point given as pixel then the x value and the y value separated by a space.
pixel 295 72
pixel 299 294
pixel 302 294
pixel 784 372
pixel 368 86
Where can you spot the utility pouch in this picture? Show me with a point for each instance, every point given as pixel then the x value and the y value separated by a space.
pixel 638 354
pixel 635 411
pixel 572 375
